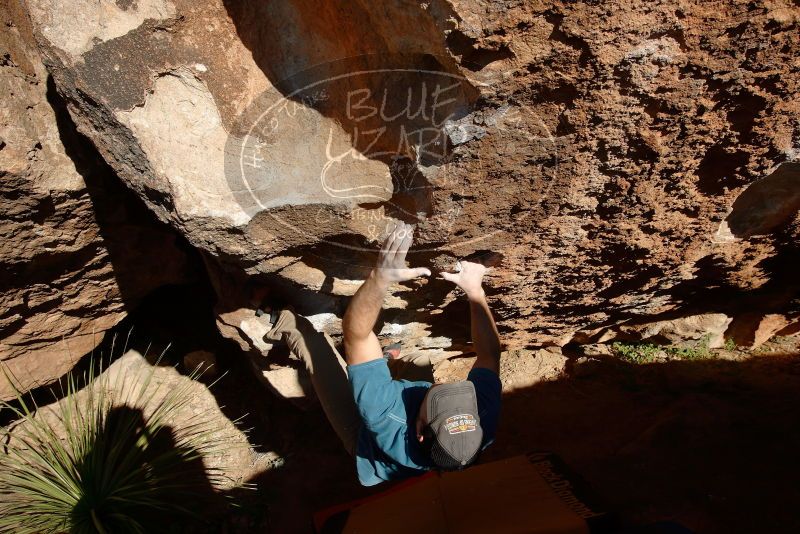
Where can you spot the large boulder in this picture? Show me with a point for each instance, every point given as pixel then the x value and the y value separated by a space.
pixel 78 250
pixel 600 147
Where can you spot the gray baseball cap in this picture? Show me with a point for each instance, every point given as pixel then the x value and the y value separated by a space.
pixel 452 411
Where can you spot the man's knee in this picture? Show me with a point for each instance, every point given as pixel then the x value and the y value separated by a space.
pixel 286 322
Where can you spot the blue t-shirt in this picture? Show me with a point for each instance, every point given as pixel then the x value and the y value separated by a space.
pixel 387 446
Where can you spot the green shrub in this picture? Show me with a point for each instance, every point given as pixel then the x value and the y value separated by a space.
pixel 699 351
pixel 640 353
pixel 635 352
pixel 98 461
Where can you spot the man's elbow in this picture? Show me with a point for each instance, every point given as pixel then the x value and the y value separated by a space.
pixel 350 335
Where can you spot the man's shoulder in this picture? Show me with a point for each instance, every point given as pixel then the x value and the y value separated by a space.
pixel 378 396
pixel 488 387
pixel 378 370
pixel 370 366
pixel 488 390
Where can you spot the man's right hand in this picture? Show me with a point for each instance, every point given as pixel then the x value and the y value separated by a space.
pixel 469 277
pixel 391 266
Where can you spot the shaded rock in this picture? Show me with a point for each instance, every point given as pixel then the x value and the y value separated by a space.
pixel 765 205
pixel 585 367
pixel 596 349
pixel 202 361
pixel 752 330
pixel 792 329
pixel 78 249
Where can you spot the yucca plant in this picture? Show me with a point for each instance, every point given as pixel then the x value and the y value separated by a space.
pixel 104 459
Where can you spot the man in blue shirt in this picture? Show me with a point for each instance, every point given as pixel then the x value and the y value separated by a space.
pixel 411 427
pixel 397 428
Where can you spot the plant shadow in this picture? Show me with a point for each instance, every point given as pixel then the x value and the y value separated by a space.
pixel 162 477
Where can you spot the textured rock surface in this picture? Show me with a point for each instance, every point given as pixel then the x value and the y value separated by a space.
pixel 610 151
pixel 75 250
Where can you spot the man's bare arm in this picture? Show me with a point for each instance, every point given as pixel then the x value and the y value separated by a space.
pixel 360 342
pixel 485 337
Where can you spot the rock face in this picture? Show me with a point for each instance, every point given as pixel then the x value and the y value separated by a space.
pixel 610 151
pixel 76 252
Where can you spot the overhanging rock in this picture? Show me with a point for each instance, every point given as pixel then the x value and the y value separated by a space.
pixel 282 138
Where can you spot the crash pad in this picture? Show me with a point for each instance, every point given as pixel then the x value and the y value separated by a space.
pixel 534 493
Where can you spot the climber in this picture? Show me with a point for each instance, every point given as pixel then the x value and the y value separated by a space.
pixel 411 427
pixel 402 426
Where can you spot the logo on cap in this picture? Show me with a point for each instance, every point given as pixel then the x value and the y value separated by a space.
pixel 460 423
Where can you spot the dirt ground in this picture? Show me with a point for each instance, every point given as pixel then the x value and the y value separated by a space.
pixel 709 442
